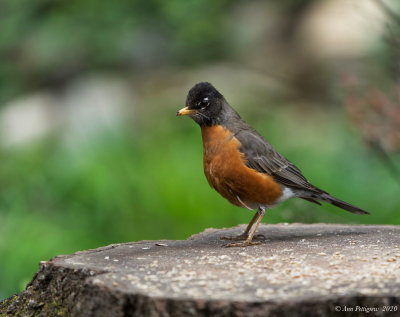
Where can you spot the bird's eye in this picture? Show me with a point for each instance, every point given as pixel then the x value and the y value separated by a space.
pixel 203 103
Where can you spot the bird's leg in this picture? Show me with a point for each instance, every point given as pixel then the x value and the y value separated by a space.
pixel 248 241
pixel 245 234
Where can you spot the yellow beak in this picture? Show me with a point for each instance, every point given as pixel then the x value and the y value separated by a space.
pixel 184 111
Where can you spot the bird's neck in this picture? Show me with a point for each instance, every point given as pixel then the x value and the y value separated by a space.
pixel 226 115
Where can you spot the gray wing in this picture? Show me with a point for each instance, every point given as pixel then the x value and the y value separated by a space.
pixel 262 157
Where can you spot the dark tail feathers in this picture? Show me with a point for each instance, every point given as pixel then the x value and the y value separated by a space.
pixel 336 202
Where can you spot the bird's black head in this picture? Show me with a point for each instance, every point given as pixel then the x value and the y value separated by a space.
pixel 204 104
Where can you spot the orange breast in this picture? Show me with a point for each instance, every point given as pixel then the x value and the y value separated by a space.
pixel 226 171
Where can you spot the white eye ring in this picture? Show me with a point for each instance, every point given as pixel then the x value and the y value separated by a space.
pixel 204 102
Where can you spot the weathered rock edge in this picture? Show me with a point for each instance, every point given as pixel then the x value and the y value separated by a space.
pixel 69 286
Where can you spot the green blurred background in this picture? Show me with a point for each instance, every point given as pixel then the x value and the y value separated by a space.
pixel 92 153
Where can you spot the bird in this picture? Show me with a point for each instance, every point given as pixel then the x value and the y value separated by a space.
pixel 242 166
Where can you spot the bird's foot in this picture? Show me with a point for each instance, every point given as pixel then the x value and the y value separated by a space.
pixel 242 244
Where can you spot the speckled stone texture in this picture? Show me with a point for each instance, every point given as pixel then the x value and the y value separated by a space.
pixel 297 270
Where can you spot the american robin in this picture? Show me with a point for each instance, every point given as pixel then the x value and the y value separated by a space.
pixel 242 166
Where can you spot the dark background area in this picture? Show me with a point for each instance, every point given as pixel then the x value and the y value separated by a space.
pixel 92 153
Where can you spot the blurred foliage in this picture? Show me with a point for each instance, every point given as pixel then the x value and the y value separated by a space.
pixel 47 42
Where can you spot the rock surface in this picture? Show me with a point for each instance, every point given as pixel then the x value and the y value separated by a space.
pixel 297 270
